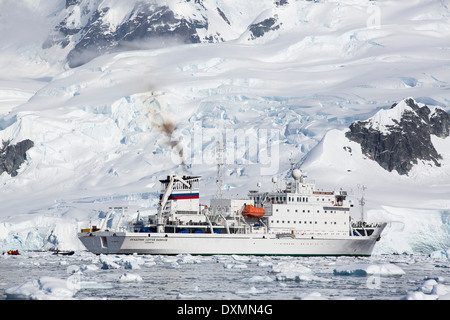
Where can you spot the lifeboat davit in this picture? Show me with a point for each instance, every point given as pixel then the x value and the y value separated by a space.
pixel 250 211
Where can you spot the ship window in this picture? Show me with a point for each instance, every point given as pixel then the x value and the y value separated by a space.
pixel 325 222
pixel 287 210
pixel 276 210
pixel 296 210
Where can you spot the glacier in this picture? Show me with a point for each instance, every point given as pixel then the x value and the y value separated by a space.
pixel 100 129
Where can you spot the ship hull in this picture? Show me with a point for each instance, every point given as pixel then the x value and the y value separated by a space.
pixel 227 244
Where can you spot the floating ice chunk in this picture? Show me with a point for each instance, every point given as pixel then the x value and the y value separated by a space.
pixel 107 263
pixel 88 267
pixel 418 295
pixel 300 277
pixel 430 289
pixel 258 279
pixel 251 291
pixel 288 271
pixel 285 267
pixel 427 286
pixel 235 266
pixel 362 270
pixel 173 265
pixel 130 277
pixel 45 288
pixel 73 269
pixel 131 265
pixel 243 258
pixel 440 254
pixel 188 259
pixel 95 285
pixel 440 290
pixel 184 296
pixel 310 296
pixel 445 297
pixel 265 264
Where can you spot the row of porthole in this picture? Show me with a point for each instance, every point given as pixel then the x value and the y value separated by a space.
pixel 306 222
pixel 308 211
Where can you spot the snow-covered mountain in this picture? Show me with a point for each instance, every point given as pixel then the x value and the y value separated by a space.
pixel 416 202
pixel 109 92
pixel 400 137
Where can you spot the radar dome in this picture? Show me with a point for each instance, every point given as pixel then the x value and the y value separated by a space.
pixel 297 174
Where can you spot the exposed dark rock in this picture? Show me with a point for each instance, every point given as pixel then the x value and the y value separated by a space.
pixel 281 2
pixel 71 3
pixel 147 21
pixel 406 141
pixel 259 29
pixel 222 14
pixel 12 156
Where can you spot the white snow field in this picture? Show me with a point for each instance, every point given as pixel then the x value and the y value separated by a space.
pixel 100 130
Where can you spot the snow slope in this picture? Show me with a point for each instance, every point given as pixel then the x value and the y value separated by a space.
pixel 100 130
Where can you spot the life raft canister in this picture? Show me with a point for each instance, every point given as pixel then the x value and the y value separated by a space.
pixel 250 211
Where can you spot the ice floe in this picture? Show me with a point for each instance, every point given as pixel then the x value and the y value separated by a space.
pixel 130 277
pixel 385 269
pixel 45 288
pixel 430 289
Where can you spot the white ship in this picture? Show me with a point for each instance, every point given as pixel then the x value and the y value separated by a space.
pixel 297 220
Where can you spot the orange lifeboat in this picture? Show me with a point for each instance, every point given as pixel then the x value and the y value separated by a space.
pixel 250 211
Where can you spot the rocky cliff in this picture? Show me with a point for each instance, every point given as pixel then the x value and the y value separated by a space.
pixel 399 137
pixel 12 156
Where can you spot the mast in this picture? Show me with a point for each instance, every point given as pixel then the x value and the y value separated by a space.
pixel 220 162
pixel 362 202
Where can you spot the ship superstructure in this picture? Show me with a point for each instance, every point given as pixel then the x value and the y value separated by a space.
pixel 298 219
